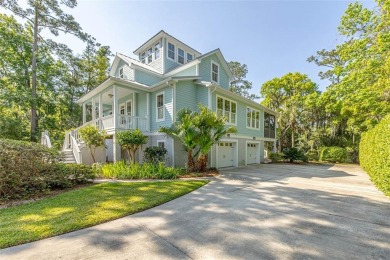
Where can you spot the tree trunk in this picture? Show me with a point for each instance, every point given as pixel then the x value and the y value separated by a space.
pixel 92 151
pixel 202 163
pixel 190 160
pixel 130 157
pixel 34 119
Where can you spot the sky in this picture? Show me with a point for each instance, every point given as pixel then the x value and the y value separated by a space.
pixel 271 37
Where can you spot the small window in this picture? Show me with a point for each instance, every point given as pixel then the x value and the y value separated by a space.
pixel 227 109
pixel 157 51
pixel 160 106
pixel 180 56
pixel 171 51
pixel 121 73
pixel 252 118
pixel 143 57
pixel 214 72
pixel 161 144
pixel 150 58
pixel 189 57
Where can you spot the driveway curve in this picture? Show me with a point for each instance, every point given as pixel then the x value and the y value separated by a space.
pixel 273 211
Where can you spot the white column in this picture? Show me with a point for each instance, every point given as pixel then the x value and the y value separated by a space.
pixel 148 111
pixel 93 109
pixel 84 114
pixel 100 111
pixel 116 147
pixel 274 146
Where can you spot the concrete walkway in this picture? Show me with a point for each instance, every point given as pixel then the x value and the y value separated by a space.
pixel 257 212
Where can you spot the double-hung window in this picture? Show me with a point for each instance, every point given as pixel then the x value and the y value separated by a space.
pixel 143 57
pixel 252 118
pixel 150 57
pixel 214 72
pixel 227 109
pixel 121 73
pixel 171 51
pixel 157 51
pixel 160 107
pixel 180 56
pixel 189 57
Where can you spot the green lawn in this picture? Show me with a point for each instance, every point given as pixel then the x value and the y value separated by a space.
pixel 85 207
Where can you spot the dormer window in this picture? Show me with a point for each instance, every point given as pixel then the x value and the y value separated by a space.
pixel 214 72
pixel 180 56
pixel 189 57
pixel 121 73
pixel 143 57
pixel 157 51
pixel 150 58
pixel 171 51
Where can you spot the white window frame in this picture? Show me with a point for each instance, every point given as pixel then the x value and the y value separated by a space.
pixel 228 122
pixel 157 50
pixel 211 72
pixel 174 51
pixel 149 55
pixel 184 55
pixel 187 57
pixel 251 120
pixel 163 118
pixel 143 57
pixel 122 75
pixel 161 141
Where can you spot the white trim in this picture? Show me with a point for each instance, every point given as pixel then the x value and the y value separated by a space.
pixel 160 119
pixel 123 72
pixel 173 152
pixel 235 160
pixel 174 52
pixel 258 150
pixel 174 102
pixel 246 118
pixel 184 57
pixel 223 108
pixel 211 71
pixel 161 141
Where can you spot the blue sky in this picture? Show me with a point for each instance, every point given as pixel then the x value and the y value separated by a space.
pixel 271 37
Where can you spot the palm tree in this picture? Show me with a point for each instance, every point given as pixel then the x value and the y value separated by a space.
pixel 211 129
pixel 185 131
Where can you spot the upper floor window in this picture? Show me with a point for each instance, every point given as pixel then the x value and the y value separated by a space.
pixel 252 118
pixel 121 73
pixel 150 58
pixel 214 72
pixel 157 51
pixel 160 107
pixel 269 125
pixel 227 109
pixel 180 56
pixel 143 57
pixel 171 51
pixel 189 57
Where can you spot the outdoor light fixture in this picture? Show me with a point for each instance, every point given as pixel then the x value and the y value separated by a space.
pixel 110 95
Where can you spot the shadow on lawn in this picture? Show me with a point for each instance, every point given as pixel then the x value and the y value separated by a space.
pixel 254 213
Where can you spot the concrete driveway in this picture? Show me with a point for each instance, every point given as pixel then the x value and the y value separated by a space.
pixel 257 212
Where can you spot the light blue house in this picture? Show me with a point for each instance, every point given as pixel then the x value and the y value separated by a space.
pixel 146 93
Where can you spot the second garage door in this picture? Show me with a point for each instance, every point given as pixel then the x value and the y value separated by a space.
pixel 252 154
pixel 225 154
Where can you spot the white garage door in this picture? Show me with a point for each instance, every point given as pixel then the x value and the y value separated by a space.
pixel 252 153
pixel 225 154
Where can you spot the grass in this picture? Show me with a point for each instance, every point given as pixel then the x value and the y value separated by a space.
pixel 85 207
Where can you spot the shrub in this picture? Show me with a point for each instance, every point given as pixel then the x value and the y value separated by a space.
pixel 29 168
pixel 374 154
pixel 122 170
pixel 93 138
pixel 333 154
pixel 154 154
pixel 312 155
pixel 276 157
pixel 131 140
pixel 294 154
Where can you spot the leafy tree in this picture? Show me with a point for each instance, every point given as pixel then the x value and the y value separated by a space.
pixel 131 140
pixel 93 138
pixel 240 85
pixel 211 129
pixel 43 14
pixel 186 132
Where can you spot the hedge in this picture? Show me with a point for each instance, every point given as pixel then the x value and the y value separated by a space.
pixel 333 154
pixel 374 154
pixel 29 168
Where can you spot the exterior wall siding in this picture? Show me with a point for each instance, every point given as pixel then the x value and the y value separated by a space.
pixel 205 71
pixel 157 64
pixel 128 73
pixel 146 78
pixel 202 95
pixel 187 72
pixel 186 93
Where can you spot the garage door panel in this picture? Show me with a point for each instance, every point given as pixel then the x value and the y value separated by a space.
pixel 252 154
pixel 225 154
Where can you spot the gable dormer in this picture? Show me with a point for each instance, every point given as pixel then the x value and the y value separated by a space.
pixel 164 52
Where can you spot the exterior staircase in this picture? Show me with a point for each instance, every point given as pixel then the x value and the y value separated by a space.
pixel 67 156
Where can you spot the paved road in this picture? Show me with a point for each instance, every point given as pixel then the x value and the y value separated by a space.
pixel 257 212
